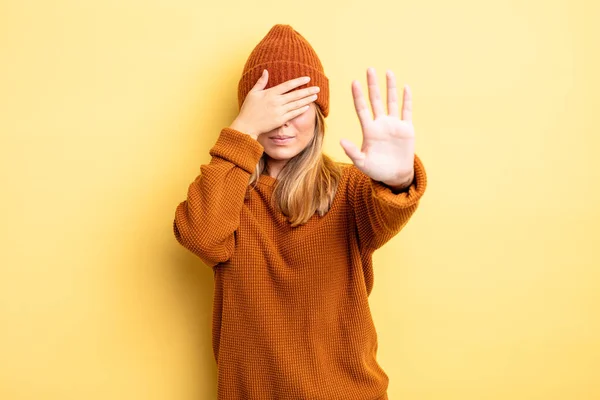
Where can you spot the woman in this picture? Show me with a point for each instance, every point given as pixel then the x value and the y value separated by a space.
pixel 290 234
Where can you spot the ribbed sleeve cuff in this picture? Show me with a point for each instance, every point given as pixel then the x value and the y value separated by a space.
pixel 407 197
pixel 238 148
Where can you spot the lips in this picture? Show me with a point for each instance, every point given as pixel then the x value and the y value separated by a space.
pixel 281 139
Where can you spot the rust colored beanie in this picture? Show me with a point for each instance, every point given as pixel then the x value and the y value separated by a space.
pixel 286 55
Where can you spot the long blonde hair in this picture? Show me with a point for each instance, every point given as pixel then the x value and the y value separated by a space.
pixel 308 181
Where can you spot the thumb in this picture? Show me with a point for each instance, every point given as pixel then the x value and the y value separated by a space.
pixel 261 82
pixel 353 152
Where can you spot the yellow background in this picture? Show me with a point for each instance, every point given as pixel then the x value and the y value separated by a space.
pixel 110 107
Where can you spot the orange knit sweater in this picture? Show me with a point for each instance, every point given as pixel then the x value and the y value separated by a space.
pixel 291 317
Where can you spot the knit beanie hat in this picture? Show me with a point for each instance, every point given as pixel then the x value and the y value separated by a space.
pixel 286 55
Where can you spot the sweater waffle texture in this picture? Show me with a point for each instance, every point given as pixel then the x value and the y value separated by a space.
pixel 291 317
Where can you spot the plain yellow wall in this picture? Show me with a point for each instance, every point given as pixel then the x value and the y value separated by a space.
pixel 492 291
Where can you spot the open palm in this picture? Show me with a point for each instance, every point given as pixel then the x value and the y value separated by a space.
pixel 387 151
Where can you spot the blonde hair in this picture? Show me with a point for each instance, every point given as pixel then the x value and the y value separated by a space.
pixel 308 182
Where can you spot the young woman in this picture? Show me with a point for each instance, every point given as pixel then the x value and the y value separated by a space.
pixel 290 233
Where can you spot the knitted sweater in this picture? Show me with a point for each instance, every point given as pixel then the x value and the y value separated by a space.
pixel 291 317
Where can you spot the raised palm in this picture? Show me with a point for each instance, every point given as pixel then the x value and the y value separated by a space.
pixel 387 151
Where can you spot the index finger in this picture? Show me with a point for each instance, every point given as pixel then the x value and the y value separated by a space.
pixel 362 111
pixel 291 84
pixel 407 104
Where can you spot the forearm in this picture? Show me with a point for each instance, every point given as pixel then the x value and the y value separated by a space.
pixel 206 221
pixel 380 212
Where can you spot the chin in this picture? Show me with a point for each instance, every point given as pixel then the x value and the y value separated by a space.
pixel 281 154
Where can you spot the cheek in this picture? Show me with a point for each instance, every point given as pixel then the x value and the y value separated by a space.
pixel 306 125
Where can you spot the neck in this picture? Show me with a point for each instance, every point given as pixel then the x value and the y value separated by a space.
pixel 274 167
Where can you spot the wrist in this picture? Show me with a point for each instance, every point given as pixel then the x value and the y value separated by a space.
pixel 402 183
pixel 241 127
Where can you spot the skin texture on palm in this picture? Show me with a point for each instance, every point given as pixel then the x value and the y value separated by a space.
pixel 388 147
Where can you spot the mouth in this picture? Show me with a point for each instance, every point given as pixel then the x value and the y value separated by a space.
pixel 281 139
